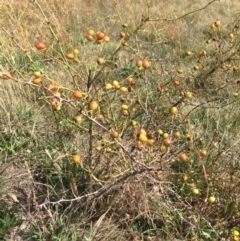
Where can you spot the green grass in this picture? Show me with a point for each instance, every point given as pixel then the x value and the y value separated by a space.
pixel 8 220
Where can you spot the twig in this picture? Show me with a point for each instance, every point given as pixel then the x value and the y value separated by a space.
pixel 184 15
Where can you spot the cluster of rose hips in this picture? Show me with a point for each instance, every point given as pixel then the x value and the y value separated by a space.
pixel 99 37
pixel 73 55
pixel 143 63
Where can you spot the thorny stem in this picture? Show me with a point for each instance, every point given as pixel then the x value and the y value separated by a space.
pixel 90 129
